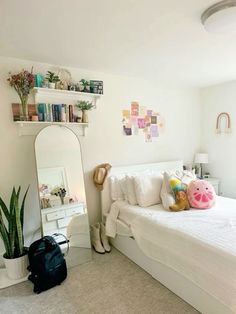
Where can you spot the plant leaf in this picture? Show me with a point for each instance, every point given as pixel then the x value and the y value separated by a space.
pixel 5 237
pixel 11 223
pixel 18 225
pixel 18 192
pixel 4 209
pixel 23 208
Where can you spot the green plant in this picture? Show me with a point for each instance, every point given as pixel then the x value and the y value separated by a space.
pixel 12 223
pixel 84 83
pixel 52 77
pixel 84 105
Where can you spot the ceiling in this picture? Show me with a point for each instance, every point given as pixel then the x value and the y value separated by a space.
pixel 156 39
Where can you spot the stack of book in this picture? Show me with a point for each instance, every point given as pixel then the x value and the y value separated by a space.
pixel 57 113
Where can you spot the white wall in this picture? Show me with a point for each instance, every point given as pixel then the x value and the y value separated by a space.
pixel 221 148
pixel 105 141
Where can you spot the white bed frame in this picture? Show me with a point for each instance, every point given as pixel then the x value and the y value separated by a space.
pixel 176 282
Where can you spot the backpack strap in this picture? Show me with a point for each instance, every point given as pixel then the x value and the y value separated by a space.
pixel 63 242
pixel 49 242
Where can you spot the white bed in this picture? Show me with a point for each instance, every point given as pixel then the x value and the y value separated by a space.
pixel 193 253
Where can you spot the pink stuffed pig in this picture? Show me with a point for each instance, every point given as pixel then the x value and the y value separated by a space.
pixel 201 194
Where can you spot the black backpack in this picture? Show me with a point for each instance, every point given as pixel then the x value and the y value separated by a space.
pixel 46 264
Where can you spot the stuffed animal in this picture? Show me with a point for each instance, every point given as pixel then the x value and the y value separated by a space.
pixel 181 202
pixel 181 199
pixel 201 194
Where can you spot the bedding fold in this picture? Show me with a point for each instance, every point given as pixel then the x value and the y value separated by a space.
pixel 201 245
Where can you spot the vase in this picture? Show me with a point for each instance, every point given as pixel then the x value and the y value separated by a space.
pixel 24 110
pixel 62 200
pixel 80 116
pixel 17 267
pixel 85 116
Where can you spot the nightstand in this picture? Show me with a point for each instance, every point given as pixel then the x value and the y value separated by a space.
pixel 216 184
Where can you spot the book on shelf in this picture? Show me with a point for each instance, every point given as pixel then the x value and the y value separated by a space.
pixel 57 113
pixel 49 112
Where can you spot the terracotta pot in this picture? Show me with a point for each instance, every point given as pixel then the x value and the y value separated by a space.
pixel 17 267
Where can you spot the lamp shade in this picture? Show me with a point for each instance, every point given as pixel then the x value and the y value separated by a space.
pixel 201 158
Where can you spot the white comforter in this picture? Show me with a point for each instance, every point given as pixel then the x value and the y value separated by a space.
pixel 200 244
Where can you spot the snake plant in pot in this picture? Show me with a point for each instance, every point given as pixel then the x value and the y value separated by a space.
pixel 11 231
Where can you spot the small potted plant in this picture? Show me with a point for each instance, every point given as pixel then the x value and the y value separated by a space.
pixel 61 192
pixel 85 86
pixel 52 79
pixel 11 231
pixel 23 83
pixel 84 106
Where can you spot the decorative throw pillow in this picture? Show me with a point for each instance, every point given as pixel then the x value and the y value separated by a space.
pixel 132 199
pixel 124 189
pixel 167 195
pixel 115 188
pixel 201 194
pixel 147 189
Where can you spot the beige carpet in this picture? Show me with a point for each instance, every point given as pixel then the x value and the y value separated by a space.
pixel 110 284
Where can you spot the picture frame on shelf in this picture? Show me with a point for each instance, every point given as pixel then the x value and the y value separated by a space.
pixel 32 111
pixel 96 87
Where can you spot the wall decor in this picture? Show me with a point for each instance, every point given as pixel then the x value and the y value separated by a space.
pixel 16 111
pixel 223 116
pixel 65 78
pixel 138 119
pixel 96 87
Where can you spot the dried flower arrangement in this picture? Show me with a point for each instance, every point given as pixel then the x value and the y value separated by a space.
pixel 23 83
pixel 61 192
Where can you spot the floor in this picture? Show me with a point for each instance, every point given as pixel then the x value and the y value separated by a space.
pixel 78 255
pixel 109 284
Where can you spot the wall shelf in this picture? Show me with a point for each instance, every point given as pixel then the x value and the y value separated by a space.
pixel 47 95
pixel 33 127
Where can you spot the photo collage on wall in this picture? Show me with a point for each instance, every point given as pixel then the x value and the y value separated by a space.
pixel 140 118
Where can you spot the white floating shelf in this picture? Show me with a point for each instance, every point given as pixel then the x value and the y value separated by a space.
pixel 33 127
pixel 48 95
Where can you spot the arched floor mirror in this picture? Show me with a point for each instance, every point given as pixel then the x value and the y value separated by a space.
pixel 61 191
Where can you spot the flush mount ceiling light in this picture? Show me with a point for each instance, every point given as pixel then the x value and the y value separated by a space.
pixel 220 17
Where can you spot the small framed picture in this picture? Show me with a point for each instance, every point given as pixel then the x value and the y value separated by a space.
pixel 96 87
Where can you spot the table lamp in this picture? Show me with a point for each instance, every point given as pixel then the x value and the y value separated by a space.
pixel 201 158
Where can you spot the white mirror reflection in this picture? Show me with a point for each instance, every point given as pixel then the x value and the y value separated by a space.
pixel 62 192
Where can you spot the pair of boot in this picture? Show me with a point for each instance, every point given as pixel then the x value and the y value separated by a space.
pixel 99 239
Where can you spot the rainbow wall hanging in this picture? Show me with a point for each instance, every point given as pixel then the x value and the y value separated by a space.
pixel 226 127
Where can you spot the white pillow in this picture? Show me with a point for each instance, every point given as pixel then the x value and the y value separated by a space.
pixel 131 195
pixel 115 188
pixel 147 189
pixel 124 189
pixel 167 196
